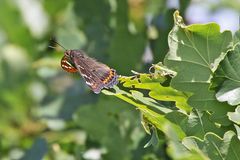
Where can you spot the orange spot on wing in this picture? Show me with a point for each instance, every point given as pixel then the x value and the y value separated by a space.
pixel 109 77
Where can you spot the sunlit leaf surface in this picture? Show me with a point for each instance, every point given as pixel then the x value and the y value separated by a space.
pixel 195 53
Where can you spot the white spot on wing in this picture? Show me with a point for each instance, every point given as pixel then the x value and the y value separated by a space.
pixel 88 83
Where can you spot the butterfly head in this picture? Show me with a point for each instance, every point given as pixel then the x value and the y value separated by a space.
pixel 69 54
pixel 74 53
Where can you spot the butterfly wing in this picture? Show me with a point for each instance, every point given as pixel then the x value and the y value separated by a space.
pixel 97 75
pixel 107 75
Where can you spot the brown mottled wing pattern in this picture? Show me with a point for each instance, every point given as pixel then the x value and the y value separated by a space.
pixel 96 74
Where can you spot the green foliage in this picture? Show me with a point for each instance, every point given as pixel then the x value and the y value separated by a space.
pixel 195 53
pixel 201 58
pixel 227 78
pixel 234 116
pixel 184 107
pixel 215 147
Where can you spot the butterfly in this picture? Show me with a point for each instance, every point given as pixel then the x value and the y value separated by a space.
pixel 97 75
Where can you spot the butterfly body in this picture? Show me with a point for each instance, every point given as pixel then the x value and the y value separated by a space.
pixel 97 75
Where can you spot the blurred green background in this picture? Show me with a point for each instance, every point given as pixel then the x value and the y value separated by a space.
pixel 46 113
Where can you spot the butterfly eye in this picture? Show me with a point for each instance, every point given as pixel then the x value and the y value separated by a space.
pixel 68 53
pixel 67 65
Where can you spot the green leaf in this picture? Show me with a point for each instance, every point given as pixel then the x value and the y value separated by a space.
pixel 178 151
pixel 152 83
pixel 228 76
pixel 236 37
pixel 215 147
pixel 148 101
pixel 145 124
pixel 235 116
pixel 151 116
pixel 154 139
pixel 234 149
pixel 196 124
pixel 237 130
pixel 195 52
pixel 199 124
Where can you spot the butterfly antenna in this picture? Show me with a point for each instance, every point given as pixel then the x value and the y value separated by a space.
pixel 51 47
pixel 55 43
